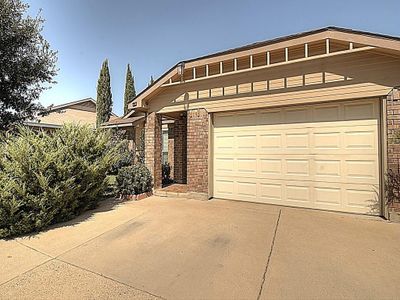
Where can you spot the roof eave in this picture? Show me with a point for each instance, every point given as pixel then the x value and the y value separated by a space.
pixel 331 29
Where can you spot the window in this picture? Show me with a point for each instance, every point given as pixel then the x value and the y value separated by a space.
pixel 164 146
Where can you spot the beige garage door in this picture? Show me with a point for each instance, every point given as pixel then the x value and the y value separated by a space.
pixel 321 156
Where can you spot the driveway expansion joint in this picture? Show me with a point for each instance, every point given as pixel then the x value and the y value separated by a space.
pixel 27 271
pixel 34 249
pixel 269 255
pixel 109 278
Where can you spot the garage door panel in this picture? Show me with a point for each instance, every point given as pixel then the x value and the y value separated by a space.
pixel 360 138
pixel 271 192
pixel 361 169
pixel 298 140
pixel 296 193
pixel 246 142
pixel 297 166
pixel 224 188
pixel 361 198
pixel 270 142
pixel 321 156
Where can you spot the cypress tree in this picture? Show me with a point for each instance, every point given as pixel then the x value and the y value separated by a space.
pixel 104 96
pixel 151 81
pixel 130 91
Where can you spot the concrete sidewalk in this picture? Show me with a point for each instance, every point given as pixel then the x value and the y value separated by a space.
pixel 188 249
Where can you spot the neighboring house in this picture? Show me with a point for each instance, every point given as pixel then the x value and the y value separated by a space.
pixel 80 111
pixel 302 120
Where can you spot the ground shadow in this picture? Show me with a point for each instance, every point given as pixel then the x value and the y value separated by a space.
pixel 105 205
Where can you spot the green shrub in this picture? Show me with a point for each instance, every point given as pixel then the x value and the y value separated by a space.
pixel 126 156
pixel 49 178
pixel 134 180
pixel 392 187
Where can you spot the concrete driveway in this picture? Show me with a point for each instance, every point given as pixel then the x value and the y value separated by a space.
pixel 186 249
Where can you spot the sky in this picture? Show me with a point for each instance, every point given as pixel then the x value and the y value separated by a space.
pixel 153 36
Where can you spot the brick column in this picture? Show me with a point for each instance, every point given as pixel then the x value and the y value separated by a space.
pixel 153 147
pixel 180 144
pixel 197 150
pixel 171 151
pixel 393 126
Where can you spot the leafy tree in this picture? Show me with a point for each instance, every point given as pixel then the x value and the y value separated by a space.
pixel 130 91
pixel 151 81
pixel 104 96
pixel 27 64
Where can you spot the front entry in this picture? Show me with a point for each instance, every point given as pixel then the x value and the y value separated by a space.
pixel 323 156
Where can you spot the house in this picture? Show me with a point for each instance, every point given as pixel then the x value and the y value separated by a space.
pixel 303 120
pixel 81 111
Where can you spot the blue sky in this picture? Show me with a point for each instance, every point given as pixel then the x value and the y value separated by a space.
pixel 154 35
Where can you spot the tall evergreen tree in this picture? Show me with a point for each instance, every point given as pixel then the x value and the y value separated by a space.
pixel 130 91
pixel 104 96
pixel 151 81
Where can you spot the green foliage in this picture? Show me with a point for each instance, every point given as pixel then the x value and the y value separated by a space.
pixel 140 157
pixel 104 96
pixel 126 157
pixel 392 186
pixel 151 81
pixel 130 91
pixel 134 180
pixel 27 63
pixel 49 178
pixel 395 139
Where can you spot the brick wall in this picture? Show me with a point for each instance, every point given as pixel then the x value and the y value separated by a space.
pixel 171 151
pixel 197 150
pixel 393 125
pixel 180 158
pixel 153 146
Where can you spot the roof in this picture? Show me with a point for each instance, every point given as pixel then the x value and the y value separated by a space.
pixel 68 104
pixel 122 122
pixel 156 84
pixel 44 125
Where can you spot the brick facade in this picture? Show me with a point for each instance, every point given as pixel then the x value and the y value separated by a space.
pixel 197 150
pixel 393 126
pixel 153 146
pixel 180 147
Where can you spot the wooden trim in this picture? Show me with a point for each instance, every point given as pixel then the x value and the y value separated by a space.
pixel 384 43
pixel 383 156
pixel 250 101
pixel 328 34
pixel 210 155
pixel 366 48
pixel 327 46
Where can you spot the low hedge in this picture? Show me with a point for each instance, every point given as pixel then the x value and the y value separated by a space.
pixel 49 178
pixel 134 180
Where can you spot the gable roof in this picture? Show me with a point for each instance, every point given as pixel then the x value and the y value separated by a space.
pixel 72 103
pixel 373 39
